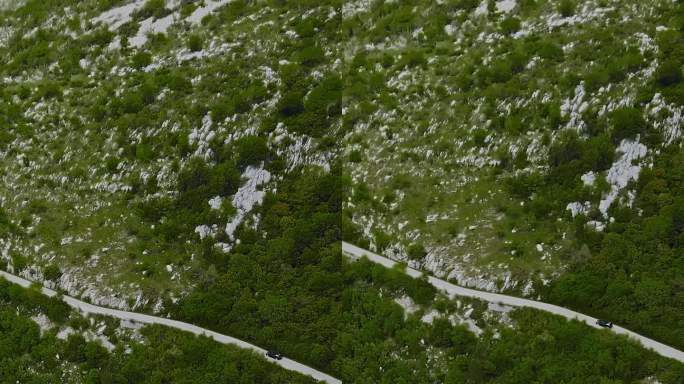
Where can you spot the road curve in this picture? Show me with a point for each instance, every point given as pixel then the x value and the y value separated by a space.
pixel 455 290
pixel 148 319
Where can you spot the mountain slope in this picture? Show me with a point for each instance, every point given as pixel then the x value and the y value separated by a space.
pixel 516 145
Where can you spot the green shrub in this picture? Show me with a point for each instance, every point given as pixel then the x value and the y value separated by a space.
pixel 195 43
pixel 19 263
pixel 306 28
pixel 52 272
pixel 129 29
pixel 6 225
pixel 177 81
pixel 627 123
pixel 523 185
pixel 95 354
pixel 141 60
pixel 631 60
pixel 670 44
pixel 500 71
pixel 598 153
pixel 255 93
pixel 291 103
pixel 412 58
pixel 153 8
pixel 194 175
pixel 158 40
pixel 37 53
pixel 669 73
pixel 518 58
pixel 572 155
pixel 416 251
pixel 480 137
pixel 362 193
pixel 111 164
pixel 74 350
pixel 510 25
pixel 552 112
pixel 387 60
pixel 466 5
pixel 222 108
pixel 550 51
pixel 325 100
pixel 132 103
pixel 513 124
pixel 311 55
pixel 187 9
pixel 251 150
pixel 355 156
pixel 144 152
pixel 100 37
pixel 148 91
pixel 596 78
pixel 567 8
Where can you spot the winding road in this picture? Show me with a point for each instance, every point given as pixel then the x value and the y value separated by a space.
pixel 88 308
pixel 353 252
pixel 454 290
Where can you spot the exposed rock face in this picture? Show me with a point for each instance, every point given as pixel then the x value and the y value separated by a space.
pixel 622 171
pixel 247 196
pixel 70 282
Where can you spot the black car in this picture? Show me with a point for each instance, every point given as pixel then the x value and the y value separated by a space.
pixel 604 323
pixel 274 355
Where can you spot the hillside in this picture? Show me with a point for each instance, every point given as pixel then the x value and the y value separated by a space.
pixel 143 133
pixel 202 161
pixel 530 147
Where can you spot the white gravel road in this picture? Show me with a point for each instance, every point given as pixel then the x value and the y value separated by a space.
pixel 88 308
pixel 455 290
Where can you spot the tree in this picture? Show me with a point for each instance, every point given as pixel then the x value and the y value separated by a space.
pixel 669 73
pixel 224 179
pixel 311 55
pixel 251 150
pixel 19 262
pixel 74 350
pixel 52 272
pixel 132 102
pixel 95 355
pixel 325 99
pixel 413 58
pixel 291 103
pixel 222 108
pixel 510 25
pixel 627 122
pixel 141 60
pixel 416 251
pixel 500 71
pixel 513 124
pixel 195 43
pixel 153 8
pixel 598 153
pixel 567 8
pixel 6 225
pixel 550 51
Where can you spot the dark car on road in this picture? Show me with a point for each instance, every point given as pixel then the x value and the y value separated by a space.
pixel 274 355
pixel 604 323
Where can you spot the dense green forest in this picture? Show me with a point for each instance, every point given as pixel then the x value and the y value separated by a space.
pixel 367 333
pixel 32 301
pixel 293 291
pixel 166 356
pixel 633 273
